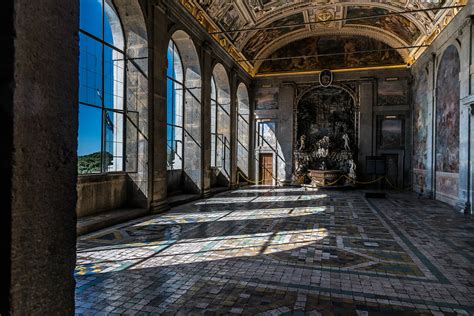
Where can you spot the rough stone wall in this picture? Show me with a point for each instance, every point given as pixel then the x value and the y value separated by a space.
pixel 98 193
pixel 43 191
pixel 6 150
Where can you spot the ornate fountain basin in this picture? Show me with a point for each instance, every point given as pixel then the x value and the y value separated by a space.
pixel 324 177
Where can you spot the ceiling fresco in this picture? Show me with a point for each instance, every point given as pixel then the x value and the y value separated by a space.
pixel 331 52
pixel 255 30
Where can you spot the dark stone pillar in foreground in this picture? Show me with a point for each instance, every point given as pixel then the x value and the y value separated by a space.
pixel 39 119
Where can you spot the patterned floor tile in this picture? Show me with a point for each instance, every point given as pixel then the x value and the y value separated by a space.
pixel 283 251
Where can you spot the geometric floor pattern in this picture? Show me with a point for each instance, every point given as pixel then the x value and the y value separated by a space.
pixel 283 251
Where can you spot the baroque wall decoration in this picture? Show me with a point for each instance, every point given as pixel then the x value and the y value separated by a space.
pixel 325 130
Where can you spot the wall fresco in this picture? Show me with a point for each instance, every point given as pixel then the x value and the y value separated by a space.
pixel 334 52
pixel 421 118
pixel 399 25
pixel 447 112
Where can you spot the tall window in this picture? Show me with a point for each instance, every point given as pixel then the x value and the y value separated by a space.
pixel 243 134
pixel 214 162
pixel 101 88
pixel 175 97
pixel 220 120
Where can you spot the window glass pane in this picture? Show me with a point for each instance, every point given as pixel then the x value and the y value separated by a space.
pixel 113 155
pixel 89 140
pixel 90 70
pixel 90 17
pixel 113 78
pixel 213 89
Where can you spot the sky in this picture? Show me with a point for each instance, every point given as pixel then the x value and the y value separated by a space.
pixel 90 58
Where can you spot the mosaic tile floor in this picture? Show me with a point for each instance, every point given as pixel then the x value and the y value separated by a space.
pixel 283 251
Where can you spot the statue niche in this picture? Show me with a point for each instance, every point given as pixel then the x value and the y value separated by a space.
pixel 325 133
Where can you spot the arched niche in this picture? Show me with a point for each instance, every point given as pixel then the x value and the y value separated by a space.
pixel 220 120
pixel 324 115
pixel 243 129
pixel 447 126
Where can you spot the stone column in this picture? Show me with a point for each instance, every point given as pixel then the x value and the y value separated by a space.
pixel 39 120
pixel 285 134
pixel 206 62
pixel 234 80
pixel 252 132
pixel 160 40
pixel 366 91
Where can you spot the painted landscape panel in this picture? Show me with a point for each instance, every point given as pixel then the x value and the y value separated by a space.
pixel 267 98
pixel 392 92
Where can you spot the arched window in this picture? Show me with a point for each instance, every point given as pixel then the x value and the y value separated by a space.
pixel 183 114
pixel 101 88
pixel 220 120
pixel 175 97
pixel 214 162
pixel 243 134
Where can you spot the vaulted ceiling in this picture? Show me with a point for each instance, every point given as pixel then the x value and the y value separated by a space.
pixel 259 30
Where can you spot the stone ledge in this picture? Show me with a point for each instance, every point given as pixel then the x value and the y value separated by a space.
pixel 96 222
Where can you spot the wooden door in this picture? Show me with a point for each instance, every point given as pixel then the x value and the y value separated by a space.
pixel 266 169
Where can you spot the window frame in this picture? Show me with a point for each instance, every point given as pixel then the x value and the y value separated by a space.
pixel 105 108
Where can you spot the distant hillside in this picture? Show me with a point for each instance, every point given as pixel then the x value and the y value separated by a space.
pixel 92 163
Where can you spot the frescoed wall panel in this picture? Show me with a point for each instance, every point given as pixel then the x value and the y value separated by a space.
pixel 447 112
pixel 421 119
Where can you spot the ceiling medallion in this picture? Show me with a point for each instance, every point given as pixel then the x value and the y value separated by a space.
pixel 324 16
pixel 326 77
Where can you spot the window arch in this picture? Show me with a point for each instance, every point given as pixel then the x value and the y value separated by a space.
pixel 101 88
pixel 220 120
pixel 243 133
pixel 184 113
pixel 175 97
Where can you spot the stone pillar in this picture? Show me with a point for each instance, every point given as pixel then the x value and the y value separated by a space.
pixel 285 134
pixel 252 132
pixel 39 119
pixel 366 91
pixel 465 123
pixel 160 40
pixel 234 80
pixel 206 74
